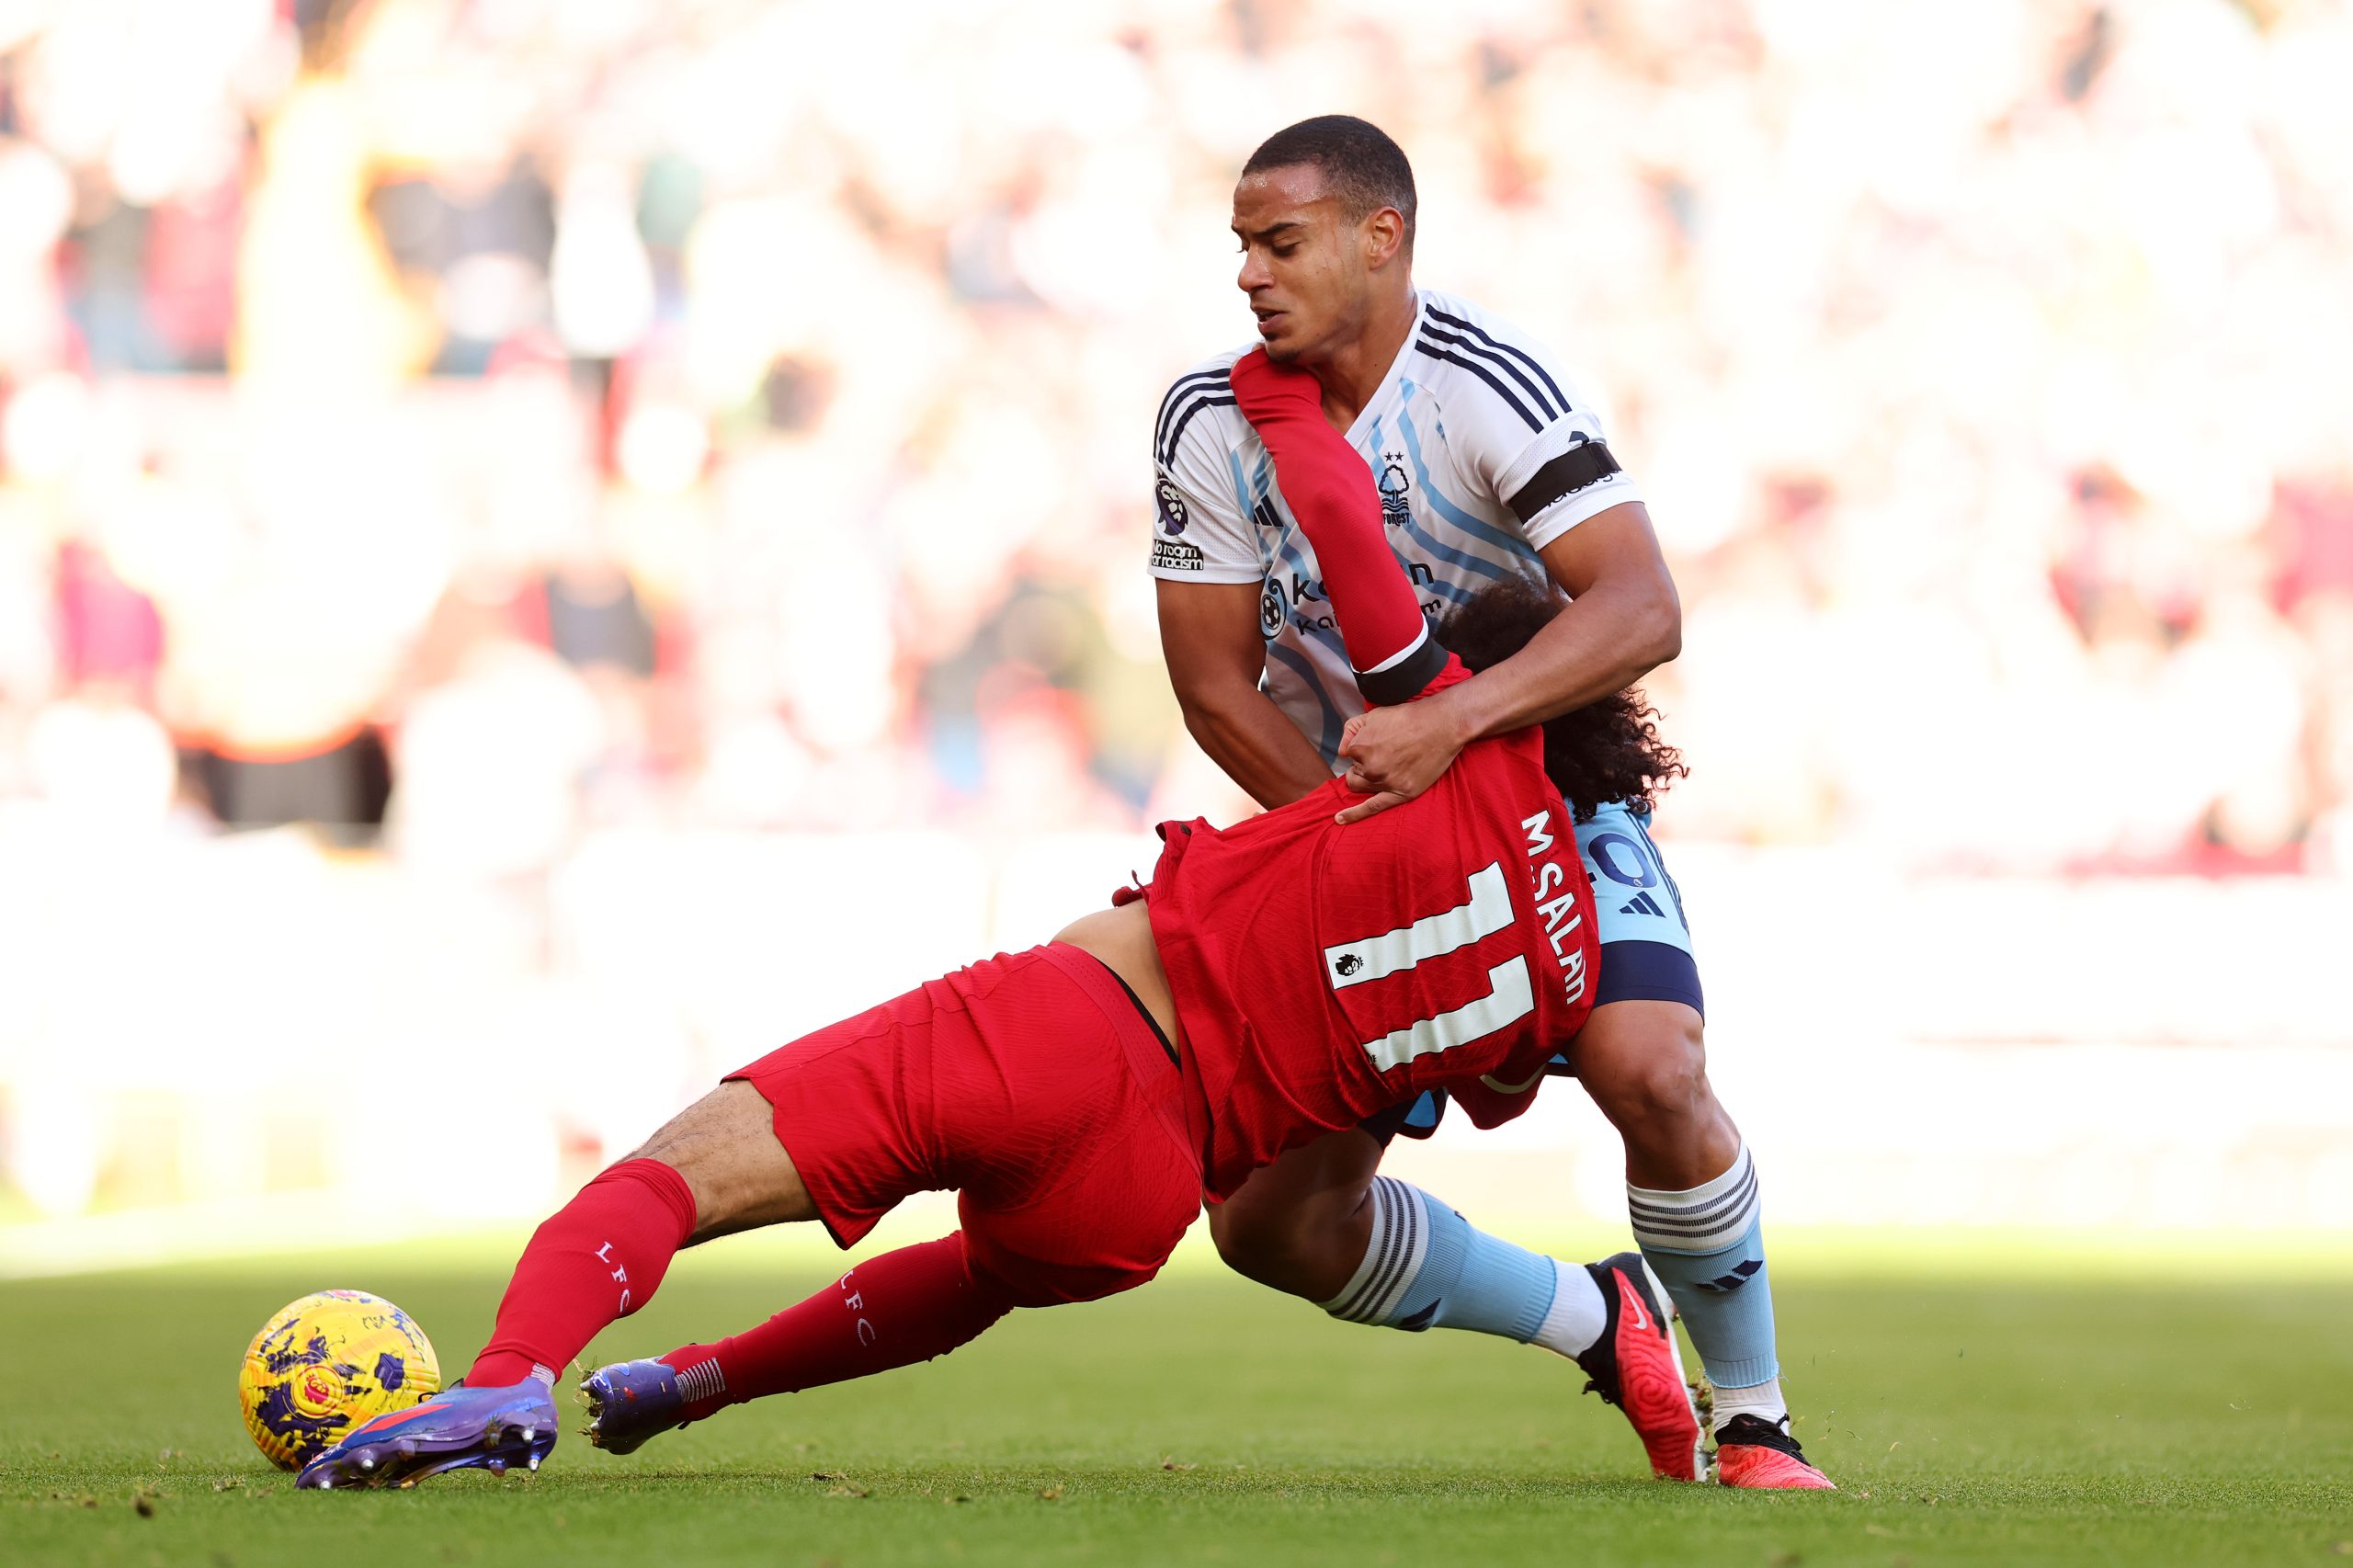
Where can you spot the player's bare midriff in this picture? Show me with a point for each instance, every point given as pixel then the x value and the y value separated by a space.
pixel 1121 940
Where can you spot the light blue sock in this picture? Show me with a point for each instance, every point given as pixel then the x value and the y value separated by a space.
pixel 1427 1267
pixel 1707 1245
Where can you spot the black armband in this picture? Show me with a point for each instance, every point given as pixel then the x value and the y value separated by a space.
pixel 1588 462
pixel 1404 681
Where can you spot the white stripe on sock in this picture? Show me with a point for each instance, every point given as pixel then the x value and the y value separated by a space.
pixel 702 1379
pixel 1708 1218
pixel 1393 1256
pixel 1376 1258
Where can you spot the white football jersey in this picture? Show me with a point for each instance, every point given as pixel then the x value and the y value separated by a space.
pixel 1484 450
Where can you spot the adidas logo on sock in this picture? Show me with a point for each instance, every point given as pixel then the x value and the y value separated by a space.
pixel 1644 905
pixel 1740 1276
pixel 1419 1320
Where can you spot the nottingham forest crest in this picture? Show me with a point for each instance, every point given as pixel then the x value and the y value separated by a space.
pixel 1395 487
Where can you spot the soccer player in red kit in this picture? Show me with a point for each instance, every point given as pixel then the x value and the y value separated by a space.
pixel 1277 980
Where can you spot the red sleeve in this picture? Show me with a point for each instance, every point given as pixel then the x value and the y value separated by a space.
pixel 1331 493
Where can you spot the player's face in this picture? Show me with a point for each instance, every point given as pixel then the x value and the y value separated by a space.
pixel 1306 266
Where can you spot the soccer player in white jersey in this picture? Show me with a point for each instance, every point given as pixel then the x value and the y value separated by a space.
pixel 1491 463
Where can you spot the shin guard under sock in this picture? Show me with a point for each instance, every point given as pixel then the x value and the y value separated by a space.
pixel 599 1258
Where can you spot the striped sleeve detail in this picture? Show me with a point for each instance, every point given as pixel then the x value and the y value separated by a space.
pixel 1507 355
pixel 1203 389
pixel 1515 375
pixel 1447 347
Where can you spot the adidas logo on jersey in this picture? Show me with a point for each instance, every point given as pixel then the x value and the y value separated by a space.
pixel 1643 903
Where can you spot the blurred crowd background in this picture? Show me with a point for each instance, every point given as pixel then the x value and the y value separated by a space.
pixel 605 478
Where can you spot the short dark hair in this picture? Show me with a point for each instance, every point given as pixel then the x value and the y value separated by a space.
pixel 1607 750
pixel 1364 168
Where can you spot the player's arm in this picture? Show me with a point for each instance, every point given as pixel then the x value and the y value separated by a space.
pixel 1623 620
pixel 1208 634
pixel 1331 492
pixel 1594 536
pixel 1209 575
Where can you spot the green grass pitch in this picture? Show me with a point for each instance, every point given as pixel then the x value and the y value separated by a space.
pixel 1202 1420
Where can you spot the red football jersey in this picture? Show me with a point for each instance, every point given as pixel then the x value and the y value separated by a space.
pixel 1322 973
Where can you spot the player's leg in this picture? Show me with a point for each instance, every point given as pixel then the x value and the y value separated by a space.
pixel 1322 1222
pixel 715 1167
pixel 1691 1192
pixel 1691 1187
pixel 857 1148
pixel 1302 1225
pixel 907 1305
pixel 1058 1119
pixel 1691 1181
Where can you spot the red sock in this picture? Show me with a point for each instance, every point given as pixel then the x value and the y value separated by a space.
pixel 601 1256
pixel 893 1310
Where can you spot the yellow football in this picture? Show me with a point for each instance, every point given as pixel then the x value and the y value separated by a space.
pixel 327 1363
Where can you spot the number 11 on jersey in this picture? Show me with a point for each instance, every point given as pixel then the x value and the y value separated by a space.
pixel 1510 994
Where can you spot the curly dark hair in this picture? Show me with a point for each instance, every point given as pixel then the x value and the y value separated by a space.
pixel 1607 750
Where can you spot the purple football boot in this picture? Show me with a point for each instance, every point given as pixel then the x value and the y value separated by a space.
pixel 459 1429
pixel 630 1403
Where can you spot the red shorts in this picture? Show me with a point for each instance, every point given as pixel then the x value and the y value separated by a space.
pixel 1034 1086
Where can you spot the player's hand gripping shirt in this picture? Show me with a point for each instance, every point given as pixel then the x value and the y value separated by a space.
pixel 1483 450
pixel 1323 972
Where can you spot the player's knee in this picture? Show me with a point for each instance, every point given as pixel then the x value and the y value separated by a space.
pixel 686 1148
pixel 1655 1079
pixel 724 1146
pixel 1249 1234
pixel 1277 1244
pixel 1299 1225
